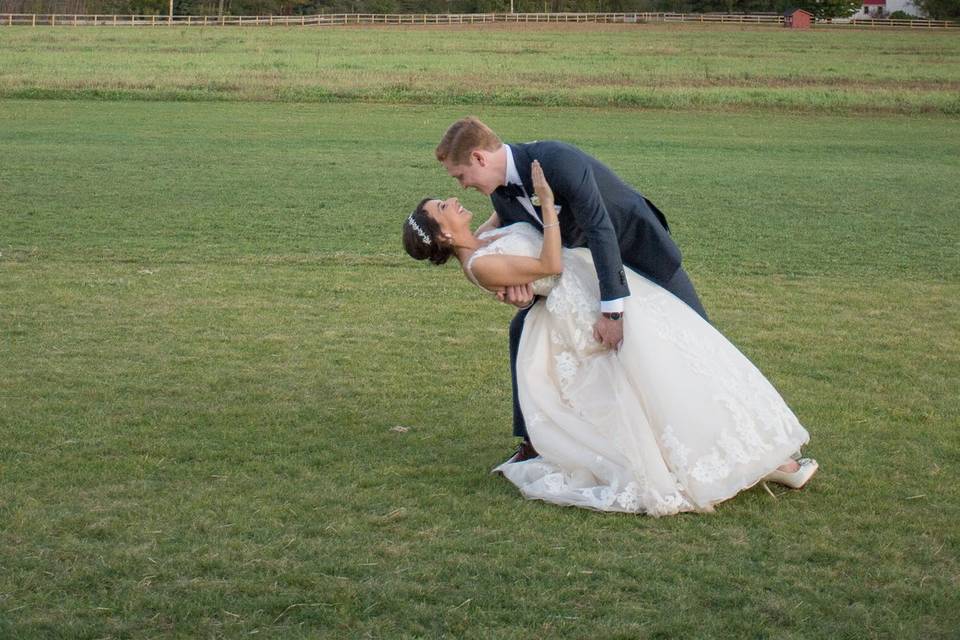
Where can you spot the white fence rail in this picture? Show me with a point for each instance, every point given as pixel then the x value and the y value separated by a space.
pixel 36 20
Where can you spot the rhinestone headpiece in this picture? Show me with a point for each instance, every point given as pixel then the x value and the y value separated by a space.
pixel 420 232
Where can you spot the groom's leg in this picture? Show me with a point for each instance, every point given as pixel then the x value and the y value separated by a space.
pixel 681 287
pixel 516 330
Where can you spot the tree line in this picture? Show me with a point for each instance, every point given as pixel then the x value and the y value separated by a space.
pixel 937 9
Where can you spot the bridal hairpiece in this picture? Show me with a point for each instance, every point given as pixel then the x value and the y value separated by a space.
pixel 420 232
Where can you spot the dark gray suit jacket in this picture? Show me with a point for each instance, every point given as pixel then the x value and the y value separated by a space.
pixel 599 211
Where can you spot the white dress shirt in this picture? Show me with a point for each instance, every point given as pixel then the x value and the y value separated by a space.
pixel 513 177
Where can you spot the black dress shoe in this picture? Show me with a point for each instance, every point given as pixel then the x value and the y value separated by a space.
pixel 525 451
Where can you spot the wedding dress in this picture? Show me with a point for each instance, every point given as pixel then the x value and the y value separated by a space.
pixel 677 420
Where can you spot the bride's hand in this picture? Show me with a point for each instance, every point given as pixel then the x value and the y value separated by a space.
pixel 540 186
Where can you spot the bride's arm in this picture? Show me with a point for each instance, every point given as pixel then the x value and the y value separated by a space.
pixel 493 271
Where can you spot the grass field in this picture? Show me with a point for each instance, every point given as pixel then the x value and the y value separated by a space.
pixel 576 65
pixel 209 331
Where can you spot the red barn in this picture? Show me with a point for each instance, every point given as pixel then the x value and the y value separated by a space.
pixel 797 19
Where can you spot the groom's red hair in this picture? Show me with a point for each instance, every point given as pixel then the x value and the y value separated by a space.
pixel 463 136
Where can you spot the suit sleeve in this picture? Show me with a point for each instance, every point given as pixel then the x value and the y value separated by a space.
pixel 572 179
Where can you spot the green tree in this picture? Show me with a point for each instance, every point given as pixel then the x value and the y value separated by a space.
pixel 829 8
pixel 940 9
pixel 140 7
pixel 728 6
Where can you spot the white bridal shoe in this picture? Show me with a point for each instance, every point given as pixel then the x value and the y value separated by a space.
pixel 794 479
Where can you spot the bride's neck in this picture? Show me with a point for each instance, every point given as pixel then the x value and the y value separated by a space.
pixel 464 247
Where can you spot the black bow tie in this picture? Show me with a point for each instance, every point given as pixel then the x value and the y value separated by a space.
pixel 511 191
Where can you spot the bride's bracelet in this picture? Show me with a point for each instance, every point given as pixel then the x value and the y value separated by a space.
pixel 552 224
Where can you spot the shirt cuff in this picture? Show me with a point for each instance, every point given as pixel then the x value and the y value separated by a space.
pixel 612 306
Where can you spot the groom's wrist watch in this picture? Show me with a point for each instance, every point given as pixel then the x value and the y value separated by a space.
pixel 614 315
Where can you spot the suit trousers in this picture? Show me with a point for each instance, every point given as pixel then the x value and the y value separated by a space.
pixel 679 286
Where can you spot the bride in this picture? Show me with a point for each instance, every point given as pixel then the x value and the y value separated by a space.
pixel 675 420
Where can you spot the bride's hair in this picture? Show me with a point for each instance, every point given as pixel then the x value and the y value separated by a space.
pixel 421 237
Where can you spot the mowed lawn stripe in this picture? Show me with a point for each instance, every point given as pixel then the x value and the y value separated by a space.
pixel 672 67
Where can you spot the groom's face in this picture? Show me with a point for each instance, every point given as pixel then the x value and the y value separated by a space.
pixel 477 174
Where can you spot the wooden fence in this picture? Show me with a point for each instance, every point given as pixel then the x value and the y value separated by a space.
pixel 35 20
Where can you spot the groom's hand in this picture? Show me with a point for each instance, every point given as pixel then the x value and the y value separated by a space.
pixel 609 332
pixel 520 295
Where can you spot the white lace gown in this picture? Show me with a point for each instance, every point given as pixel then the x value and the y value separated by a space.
pixel 677 420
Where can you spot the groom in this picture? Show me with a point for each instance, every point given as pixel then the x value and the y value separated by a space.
pixel 596 210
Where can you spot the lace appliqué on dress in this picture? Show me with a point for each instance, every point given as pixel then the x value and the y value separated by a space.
pixel 583 491
pixel 758 414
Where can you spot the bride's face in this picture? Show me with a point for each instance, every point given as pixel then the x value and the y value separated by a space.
pixel 450 215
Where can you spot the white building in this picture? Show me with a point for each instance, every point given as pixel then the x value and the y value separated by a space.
pixel 882 8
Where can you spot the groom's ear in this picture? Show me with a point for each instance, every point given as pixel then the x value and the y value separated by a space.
pixel 479 157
